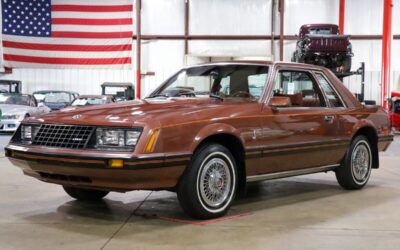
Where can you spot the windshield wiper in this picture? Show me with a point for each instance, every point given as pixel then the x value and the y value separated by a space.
pixel 158 95
pixel 216 96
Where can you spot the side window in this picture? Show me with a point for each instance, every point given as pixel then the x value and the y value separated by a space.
pixel 300 88
pixel 333 97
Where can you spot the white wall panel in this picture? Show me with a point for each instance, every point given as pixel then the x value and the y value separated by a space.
pixel 163 57
pixel 396 16
pixel 299 12
pixel 364 17
pixel 163 17
pixel 228 48
pixel 79 80
pixel 230 17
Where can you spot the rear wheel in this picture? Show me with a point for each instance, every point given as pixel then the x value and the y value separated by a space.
pixel 208 187
pixel 83 194
pixel 356 168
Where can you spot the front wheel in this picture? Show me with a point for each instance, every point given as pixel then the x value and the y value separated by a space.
pixel 356 168
pixel 208 186
pixel 83 194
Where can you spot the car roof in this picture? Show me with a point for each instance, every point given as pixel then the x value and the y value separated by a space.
pixel 10 94
pixel 319 25
pixel 265 63
pixel 53 91
pixel 92 96
pixel 117 84
pixel 395 93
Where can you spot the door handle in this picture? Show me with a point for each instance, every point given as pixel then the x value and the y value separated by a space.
pixel 329 118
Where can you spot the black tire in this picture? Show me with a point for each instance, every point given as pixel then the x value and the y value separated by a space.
pixel 212 164
pixel 83 194
pixel 347 64
pixel 357 165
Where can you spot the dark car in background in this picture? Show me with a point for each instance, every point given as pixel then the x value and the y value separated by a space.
pixel 322 44
pixel 120 91
pixel 10 86
pixel 55 99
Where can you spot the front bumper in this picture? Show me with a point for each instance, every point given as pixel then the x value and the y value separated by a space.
pixel 9 125
pixel 94 172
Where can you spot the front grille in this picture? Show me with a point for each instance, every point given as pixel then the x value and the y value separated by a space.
pixel 63 136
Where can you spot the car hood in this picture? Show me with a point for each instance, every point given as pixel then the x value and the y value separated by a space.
pixel 137 113
pixel 14 109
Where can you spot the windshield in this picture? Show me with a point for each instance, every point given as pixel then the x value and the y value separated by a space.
pixel 58 97
pixel 39 97
pixel 14 99
pixel 240 81
pixel 89 101
pixel 320 31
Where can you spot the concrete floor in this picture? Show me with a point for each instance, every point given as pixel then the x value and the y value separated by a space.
pixel 308 212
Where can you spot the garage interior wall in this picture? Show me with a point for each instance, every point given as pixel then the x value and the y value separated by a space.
pixel 229 17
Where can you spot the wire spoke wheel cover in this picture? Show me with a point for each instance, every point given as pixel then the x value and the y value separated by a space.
pixel 216 181
pixel 361 161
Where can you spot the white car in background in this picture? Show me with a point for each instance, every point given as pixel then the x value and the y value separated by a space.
pixel 16 107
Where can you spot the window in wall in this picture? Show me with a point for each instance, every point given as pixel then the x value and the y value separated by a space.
pixel 333 97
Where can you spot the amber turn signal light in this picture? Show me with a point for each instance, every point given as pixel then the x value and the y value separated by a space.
pixel 116 163
pixel 150 145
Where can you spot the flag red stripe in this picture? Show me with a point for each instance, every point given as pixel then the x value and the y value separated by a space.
pixel 82 21
pixel 92 8
pixel 67 47
pixel 95 35
pixel 69 61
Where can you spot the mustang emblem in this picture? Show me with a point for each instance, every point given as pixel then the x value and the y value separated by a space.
pixel 77 117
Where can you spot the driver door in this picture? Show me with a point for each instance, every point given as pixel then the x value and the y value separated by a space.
pixel 301 135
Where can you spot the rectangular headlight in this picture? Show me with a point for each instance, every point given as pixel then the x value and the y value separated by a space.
pixel 132 138
pixel 28 132
pixel 116 137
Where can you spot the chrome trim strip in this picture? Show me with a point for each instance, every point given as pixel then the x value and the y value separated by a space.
pixel 284 174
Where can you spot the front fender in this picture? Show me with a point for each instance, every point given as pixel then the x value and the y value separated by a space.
pixel 214 129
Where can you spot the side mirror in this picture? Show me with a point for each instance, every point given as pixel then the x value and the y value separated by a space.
pixel 279 102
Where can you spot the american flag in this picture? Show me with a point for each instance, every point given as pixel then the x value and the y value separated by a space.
pixel 67 33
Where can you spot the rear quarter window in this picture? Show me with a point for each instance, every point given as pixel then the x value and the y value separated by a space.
pixel 333 97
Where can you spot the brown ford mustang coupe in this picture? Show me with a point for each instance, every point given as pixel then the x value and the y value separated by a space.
pixel 206 132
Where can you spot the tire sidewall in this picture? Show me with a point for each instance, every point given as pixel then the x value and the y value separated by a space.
pixel 232 169
pixel 188 190
pixel 360 141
